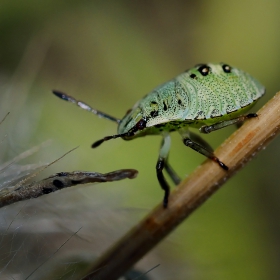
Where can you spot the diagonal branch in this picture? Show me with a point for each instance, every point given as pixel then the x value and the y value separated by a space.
pixel 236 151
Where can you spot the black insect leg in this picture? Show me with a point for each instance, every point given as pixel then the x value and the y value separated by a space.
pixel 209 128
pixel 170 171
pixel 163 154
pixel 200 149
pixel 198 139
pixel 172 174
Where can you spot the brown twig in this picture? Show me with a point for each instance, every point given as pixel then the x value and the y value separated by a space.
pixel 236 151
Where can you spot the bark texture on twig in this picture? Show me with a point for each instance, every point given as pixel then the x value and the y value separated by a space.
pixel 235 152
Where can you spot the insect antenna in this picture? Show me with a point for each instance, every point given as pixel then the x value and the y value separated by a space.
pixel 99 142
pixel 140 125
pixel 84 106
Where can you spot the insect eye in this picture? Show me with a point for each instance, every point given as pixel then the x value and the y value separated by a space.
pixel 141 124
pixel 204 70
pixel 226 68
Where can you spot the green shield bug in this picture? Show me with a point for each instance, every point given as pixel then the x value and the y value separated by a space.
pixel 207 96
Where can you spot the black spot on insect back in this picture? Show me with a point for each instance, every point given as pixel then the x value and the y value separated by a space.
pixel 226 68
pixel 215 113
pixel 193 76
pixel 204 70
pixel 200 115
pixel 154 114
pixel 164 106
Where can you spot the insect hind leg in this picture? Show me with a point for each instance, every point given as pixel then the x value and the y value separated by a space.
pixel 198 139
pixel 201 149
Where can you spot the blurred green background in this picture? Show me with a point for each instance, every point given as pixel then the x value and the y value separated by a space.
pixel 110 54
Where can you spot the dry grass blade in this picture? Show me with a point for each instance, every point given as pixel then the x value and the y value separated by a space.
pixel 236 151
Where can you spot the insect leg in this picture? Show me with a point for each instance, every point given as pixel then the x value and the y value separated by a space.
pixel 200 149
pixel 163 154
pixel 209 128
pixel 172 174
pixel 198 139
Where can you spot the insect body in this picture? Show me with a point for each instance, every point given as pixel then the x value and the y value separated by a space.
pixel 208 97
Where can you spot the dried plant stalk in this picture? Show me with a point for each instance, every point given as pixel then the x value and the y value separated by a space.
pixel 236 151
pixel 59 181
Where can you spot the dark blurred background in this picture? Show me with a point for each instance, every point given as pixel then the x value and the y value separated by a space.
pixel 110 54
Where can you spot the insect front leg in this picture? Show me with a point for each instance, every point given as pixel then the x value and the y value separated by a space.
pixel 239 120
pixel 161 163
pixel 199 148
